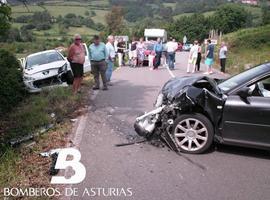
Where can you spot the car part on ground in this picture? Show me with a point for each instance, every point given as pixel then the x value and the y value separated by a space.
pixel 17 141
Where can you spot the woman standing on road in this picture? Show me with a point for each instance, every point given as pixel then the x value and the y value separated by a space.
pixel 140 52
pixel 193 55
pixel 222 56
pixel 199 58
pixel 120 50
pixel 133 53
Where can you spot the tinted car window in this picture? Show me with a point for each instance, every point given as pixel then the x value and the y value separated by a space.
pixel 43 58
pixel 150 47
pixel 241 78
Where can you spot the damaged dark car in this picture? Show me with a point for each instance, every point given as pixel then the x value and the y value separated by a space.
pixel 193 112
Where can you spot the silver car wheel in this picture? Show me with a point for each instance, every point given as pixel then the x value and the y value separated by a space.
pixel 191 134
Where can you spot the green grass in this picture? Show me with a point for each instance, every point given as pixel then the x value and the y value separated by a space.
pixel 255 12
pixel 22 166
pixel 170 5
pixel 34 112
pixel 63 10
pixel 206 14
pixel 100 17
pixel 247 48
pixel 7 169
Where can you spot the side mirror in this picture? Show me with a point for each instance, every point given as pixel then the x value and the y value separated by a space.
pixel 244 93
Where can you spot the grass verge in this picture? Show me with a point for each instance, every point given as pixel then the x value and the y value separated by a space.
pixel 22 167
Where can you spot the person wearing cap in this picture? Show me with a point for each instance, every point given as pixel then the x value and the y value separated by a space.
pixel 98 55
pixel 111 58
pixel 76 57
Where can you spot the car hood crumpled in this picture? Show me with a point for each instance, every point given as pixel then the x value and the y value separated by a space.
pixel 195 91
pixel 45 67
pixel 174 87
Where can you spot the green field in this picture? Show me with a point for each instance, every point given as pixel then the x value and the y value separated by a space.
pixel 170 5
pixel 56 8
pixel 64 7
pixel 206 14
pixel 255 12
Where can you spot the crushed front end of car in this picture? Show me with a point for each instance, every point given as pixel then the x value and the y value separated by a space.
pixel 180 96
pixel 47 76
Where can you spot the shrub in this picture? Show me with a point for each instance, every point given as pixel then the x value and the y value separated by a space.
pixel 11 85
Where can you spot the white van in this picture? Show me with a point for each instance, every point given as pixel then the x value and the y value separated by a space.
pixel 154 34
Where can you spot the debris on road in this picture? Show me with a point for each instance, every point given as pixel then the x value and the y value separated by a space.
pixel 131 143
pixel 54 155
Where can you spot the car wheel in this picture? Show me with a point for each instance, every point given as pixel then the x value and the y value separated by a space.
pixel 193 133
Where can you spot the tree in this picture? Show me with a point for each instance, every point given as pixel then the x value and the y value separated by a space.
pixel 11 84
pixel 265 12
pixel 114 20
pixel 195 27
pixel 5 17
pixel 229 18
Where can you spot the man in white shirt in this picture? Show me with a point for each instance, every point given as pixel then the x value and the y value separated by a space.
pixel 171 49
pixel 111 57
pixel 193 55
pixel 222 56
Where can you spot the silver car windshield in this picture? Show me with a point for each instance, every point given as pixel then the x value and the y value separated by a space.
pixel 240 79
pixel 42 59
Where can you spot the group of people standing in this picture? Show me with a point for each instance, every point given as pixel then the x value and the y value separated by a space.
pixel 195 57
pixel 102 57
pixel 137 53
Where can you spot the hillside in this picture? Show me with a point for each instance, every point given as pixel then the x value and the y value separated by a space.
pixel 248 47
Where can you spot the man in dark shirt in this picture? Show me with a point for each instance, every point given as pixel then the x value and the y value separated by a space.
pixel 158 51
pixel 121 51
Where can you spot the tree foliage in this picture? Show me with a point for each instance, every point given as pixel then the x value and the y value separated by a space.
pixel 11 85
pixel 230 17
pixel 265 12
pixel 195 27
pixel 114 20
pixel 198 6
pixel 5 17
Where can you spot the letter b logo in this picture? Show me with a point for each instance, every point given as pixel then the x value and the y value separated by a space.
pixel 63 163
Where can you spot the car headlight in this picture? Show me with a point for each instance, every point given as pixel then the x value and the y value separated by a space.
pixel 63 68
pixel 28 78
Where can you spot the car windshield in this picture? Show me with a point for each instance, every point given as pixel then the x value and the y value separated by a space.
pixel 150 46
pixel 241 78
pixel 43 58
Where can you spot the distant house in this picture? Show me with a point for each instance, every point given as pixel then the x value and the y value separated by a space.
pixel 251 2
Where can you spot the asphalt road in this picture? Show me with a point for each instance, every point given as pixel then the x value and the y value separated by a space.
pixel 157 173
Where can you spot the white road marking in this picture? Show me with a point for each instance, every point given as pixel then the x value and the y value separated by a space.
pixel 170 71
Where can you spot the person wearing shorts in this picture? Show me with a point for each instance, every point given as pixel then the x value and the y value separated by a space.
pixel 209 61
pixel 76 57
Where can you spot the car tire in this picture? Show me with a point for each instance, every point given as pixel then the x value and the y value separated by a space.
pixel 69 77
pixel 193 133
